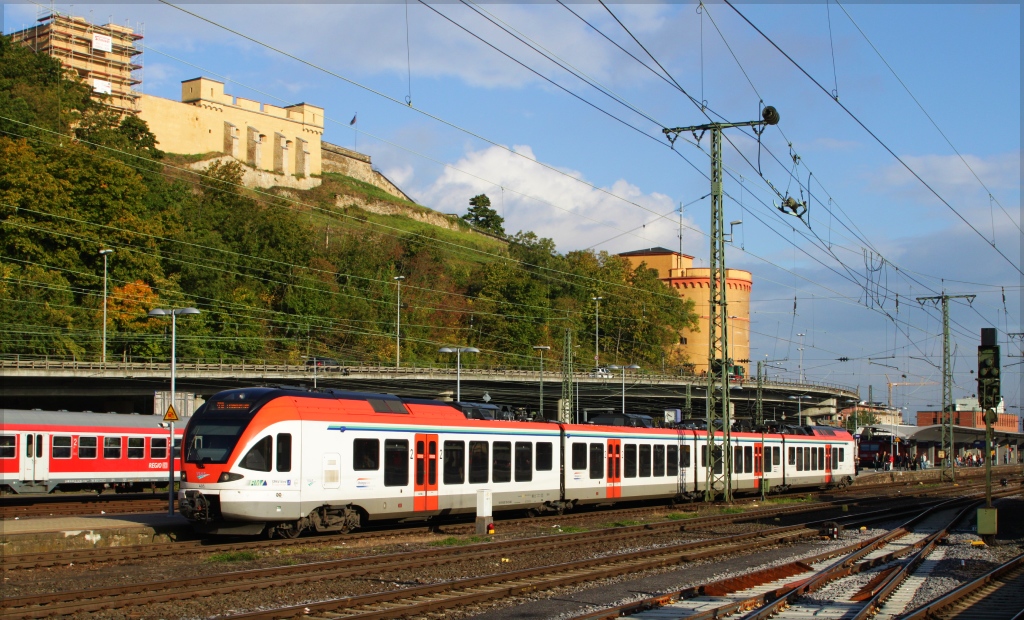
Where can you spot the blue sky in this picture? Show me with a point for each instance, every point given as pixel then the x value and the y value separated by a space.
pixel 573 173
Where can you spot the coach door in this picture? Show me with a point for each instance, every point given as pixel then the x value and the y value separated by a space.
pixel 425 491
pixel 758 464
pixel 614 471
pixel 34 464
pixel 828 463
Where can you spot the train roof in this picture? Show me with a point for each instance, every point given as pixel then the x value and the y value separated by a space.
pixel 35 417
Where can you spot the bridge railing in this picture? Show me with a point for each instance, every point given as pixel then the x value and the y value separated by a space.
pixel 346 367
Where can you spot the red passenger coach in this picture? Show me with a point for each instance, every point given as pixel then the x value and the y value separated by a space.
pixel 43 451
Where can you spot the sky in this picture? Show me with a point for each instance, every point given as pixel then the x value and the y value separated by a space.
pixel 900 127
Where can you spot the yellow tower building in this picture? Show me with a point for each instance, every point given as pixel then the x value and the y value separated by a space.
pixel 678 273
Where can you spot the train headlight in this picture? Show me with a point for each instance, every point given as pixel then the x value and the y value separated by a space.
pixel 184 476
pixel 229 477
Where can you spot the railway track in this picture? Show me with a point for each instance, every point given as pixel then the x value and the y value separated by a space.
pixel 996 595
pixel 80 505
pixel 793 590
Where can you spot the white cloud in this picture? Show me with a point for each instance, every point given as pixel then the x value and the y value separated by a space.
pixel 948 172
pixel 557 204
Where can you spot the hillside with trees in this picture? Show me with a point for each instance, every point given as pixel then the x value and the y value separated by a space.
pixel 278 275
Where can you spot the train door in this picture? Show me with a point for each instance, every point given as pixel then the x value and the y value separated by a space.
pixel 828 463
pixel 34 463
pixel 758 464
pixel 614 471
pixel 425 488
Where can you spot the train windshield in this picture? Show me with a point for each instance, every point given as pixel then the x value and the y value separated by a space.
pixel 215 428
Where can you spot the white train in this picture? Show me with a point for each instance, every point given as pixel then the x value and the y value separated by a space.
pixel 284 461
pixel 43 451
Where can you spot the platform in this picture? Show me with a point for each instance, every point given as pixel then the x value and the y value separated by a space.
pixel 72 533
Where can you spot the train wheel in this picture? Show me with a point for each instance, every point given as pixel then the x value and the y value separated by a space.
pixel 289 531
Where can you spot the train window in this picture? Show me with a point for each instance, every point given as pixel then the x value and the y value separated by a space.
pixel 579 456
pixel 629 460
pixel 645 461
pixel 157 448
pixel 792 455
pixel 283 460
pixel 366 454
pixel 136 447
pixel 396 462
pixel 29 442
pixel 810 459
pixel 799 459
pixel 524 461
pixel 454 462
pixel 767 458
pixel 177 447
pixel 544 456
pixel 777 455
pixel 842 455
pixel 432 463
pixel 8 449
pixel 672 461
pixel 716 453
pixel 61 446
pixel 835 456
pixel 659 460
pixel 596 461
pixel 501 462
pixel 86 447
pixel 479 462
pixel 420 454
pixel 821 458
pixel 748 459
pixel 703 456
pixel 737 460
pixel 258 456
pixel 39 446
pixel 684 456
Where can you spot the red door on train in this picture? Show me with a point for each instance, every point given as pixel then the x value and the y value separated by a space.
pixel 828 463
pixel 614 471
pixel 425 483
pixel 758 464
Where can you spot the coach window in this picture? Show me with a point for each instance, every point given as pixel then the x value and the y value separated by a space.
pixel 366 454
pixel 454 462
pixel 792 455
pixel 136 447
pixel 821 458
pixel 748 459
pixel 501 461
pixel 579 456
pixel 629 460
pixel 596 461
pixel 157 448
pixel 61 447
pixel 799 459
pixel 420 453
pixel 684 456
pixel 7 446
pixel 737 460
pixel 672 461
pixel 524 461
pixel 258 456
pixel 835 456
pixel 283 462
pixel 842 455
pixel 29 442
pixel 177 448
pixel 396 462
pixel 767 459
pixel 479 462
pixel 777 455
pixel 718 454
pixel 544 457
pixel 645 461
pixel 86 447
pixel 659 460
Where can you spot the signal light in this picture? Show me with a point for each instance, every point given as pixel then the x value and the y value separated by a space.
pixel 988 376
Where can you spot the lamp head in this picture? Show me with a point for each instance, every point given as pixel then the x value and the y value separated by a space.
pixel 470 350
pixel 735 222
pixel 446 350
pixel 106 251
pixel 182 311
pixel 541 347
pixel 158 312
pixel 398 278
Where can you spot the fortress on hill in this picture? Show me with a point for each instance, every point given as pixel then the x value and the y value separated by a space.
pixel 281 146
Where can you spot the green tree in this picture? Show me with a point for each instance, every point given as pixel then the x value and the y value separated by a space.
pixel 481 215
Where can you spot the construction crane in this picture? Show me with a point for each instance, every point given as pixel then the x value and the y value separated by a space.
pixel 904 383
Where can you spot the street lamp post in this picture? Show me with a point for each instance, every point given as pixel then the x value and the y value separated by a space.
pixel 623 368
pixel 799 408
pixel 398 323
pixel 105 253
pixel 801 349
pixel 597 324
pixel 541 348
pixel 173 313
pixel 458 351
